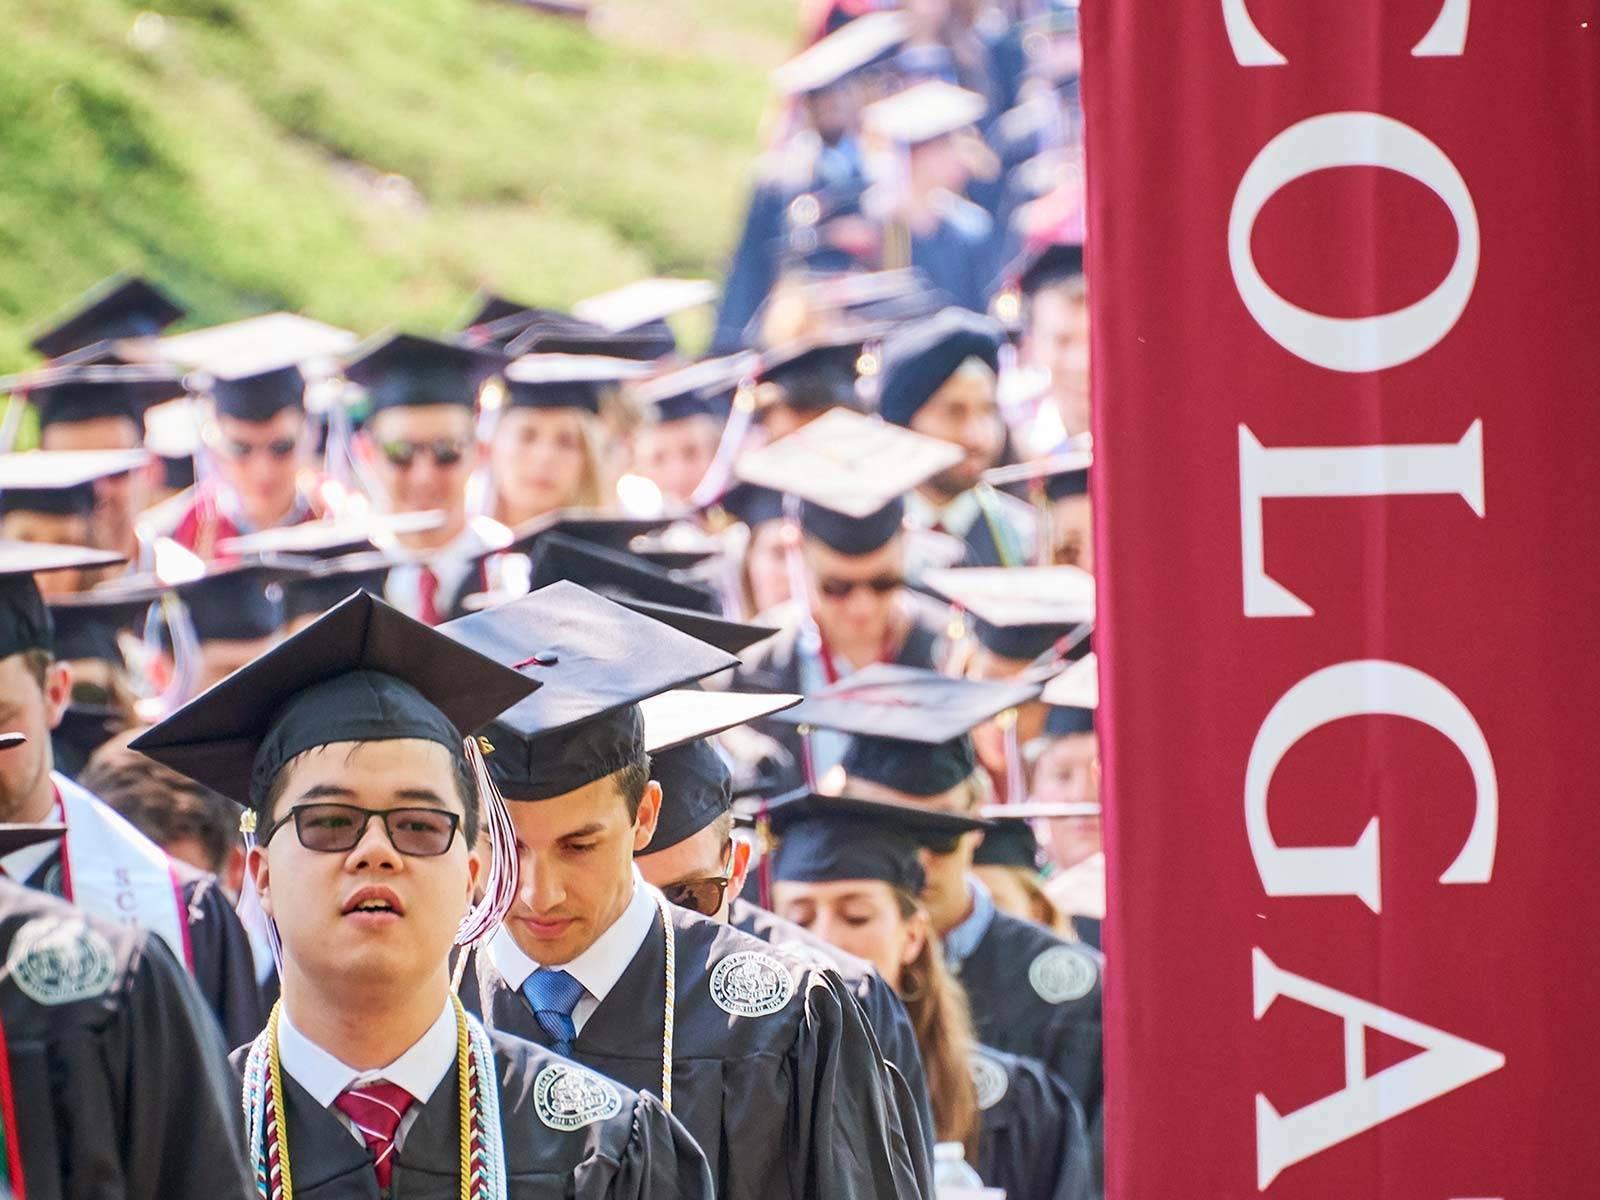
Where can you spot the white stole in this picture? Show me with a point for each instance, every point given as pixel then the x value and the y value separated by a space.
pixel 112 870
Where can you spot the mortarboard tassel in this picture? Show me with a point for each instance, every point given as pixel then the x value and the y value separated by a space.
pixel 715 481
pixel 500 889
pixel 251 914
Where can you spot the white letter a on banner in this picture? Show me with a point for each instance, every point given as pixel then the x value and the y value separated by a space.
pixel 1367 1101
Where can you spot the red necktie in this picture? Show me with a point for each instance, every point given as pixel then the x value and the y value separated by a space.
pixel 376 1110
pixel 427 596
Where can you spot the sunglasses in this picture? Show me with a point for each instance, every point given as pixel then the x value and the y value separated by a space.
pixel 338 828
pixel 703 896
pixel 279 448
pixel 445 452
pixel 841 589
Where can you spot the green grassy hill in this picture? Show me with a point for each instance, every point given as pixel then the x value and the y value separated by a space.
pixel 371 162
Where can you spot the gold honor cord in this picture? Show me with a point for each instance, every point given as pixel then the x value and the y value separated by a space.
pixel 669 1005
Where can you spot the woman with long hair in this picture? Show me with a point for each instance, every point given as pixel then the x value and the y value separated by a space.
pixel 545 441
pixel 850 871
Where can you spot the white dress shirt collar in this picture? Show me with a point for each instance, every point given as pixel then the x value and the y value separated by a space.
pixel 599 966
pixel 420 1070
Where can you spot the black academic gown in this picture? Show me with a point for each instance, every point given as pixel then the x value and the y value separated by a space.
pixel 637 1152
pixel 1035 994
pixel 224 967
pixel 119 1080
pixel 775 666
pixel 789 1101
pixel 1033 1143
pixel 885 1014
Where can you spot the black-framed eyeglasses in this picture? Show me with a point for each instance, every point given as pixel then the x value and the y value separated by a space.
pixel 703 896
pixel 445 452
pixel 339 828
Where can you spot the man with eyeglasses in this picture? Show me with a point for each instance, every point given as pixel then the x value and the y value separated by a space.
pixel 766 1058
pixel 256 440
pixel 371 1079
pixel 420 444
pixel 697 863
pixel 859 612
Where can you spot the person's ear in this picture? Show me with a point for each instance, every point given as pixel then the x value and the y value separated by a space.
pixel 644 821
pixel 57 692
pixel 739 866
pixel 256 863
pixel 233 867
pixel 918 931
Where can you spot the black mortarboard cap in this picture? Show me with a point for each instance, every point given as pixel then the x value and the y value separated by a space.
pixel 260 395
pixel 83 393
pixel 921 355
pixel 696 789
pixel 59 482
pixel 1059 476
pixel 613 531
pixel 815 374
pixel 490 308
pixel 912 767
pixel 705 387
pixel 556 557
pixel 238 601
pixel 19 837
pixel 752 504
pixel 542 331
pixel 363 672
pixel 325 582
pixel 565 380
pixel 597 661
pixel 913 703
pixel 331 538
pixel 405 369
pixel 1042 265
pixel 24 618
pixel 852 535
pixel 87 623
pixel 1019 612
pixel 1062 721
pixel 1010 843
pixel 730 636
pixel 826 839
pixel 119 307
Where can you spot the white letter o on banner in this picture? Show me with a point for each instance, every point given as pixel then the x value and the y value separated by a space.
pixel 1353 139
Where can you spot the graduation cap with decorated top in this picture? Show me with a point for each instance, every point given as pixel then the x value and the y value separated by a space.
pixel 597 662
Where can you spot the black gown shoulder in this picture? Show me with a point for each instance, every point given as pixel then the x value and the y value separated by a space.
pixel 1036 994
pixel 775 1072
pixel 1033 1143
pixel 117 1076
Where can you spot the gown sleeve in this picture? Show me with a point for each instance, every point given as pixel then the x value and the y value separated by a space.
pixel 180 1101
pixel 1044 1150
pixel 224 965
pixel 660 1161
pixel 846 1140
pixel 898 1041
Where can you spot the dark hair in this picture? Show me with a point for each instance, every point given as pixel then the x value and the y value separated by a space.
pixel 38 663
pixel 466 789
pixel 163 805
pixel 631 781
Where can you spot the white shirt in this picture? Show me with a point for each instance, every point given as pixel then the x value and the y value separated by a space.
pixel 20 865
pixel 420 1070
pixel 599 967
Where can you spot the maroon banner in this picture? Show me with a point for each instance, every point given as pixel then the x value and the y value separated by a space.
pixel 1343 266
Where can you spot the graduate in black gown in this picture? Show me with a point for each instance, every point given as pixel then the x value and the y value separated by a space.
pixel 1033 992
pixel 765 1058
pixel 370 1079
pixel 94 1015
pixel 103 864
pixel 696 862
pixel 850 870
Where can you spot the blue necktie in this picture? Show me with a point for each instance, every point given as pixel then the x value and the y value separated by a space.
pixel 553 995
